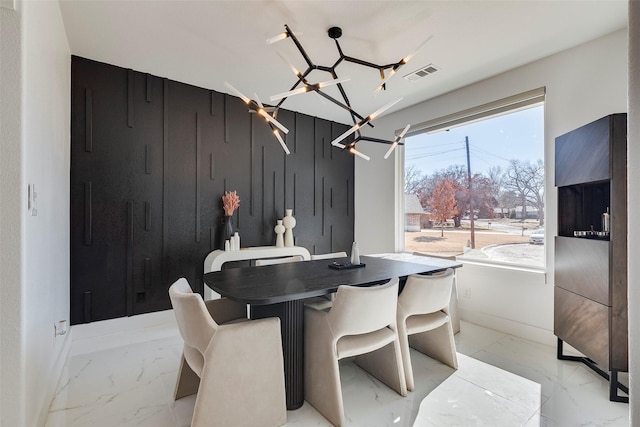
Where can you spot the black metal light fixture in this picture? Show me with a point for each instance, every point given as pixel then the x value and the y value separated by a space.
pixel 302 85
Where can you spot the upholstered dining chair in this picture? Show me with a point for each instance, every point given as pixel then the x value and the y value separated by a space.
pixel 272 261
pixel 236 368
pixel 423 322
pixel 329 255
pixel 361 323
pixel 453 305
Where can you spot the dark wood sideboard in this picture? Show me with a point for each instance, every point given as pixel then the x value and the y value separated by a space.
pixel 590 296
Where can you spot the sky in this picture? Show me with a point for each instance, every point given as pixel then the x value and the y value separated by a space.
pixel 492 142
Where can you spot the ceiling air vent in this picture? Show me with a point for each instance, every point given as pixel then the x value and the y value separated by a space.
pixel 421 72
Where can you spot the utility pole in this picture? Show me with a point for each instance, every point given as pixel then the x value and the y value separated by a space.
pixel 471 214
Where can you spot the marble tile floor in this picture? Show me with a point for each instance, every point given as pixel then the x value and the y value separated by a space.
pixel 126 379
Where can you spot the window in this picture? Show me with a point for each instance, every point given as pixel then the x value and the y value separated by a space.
pixel 474 184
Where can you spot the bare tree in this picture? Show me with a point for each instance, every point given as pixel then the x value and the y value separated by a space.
pixel 507 200
pixel 536 188
pixel 517 180
pixel 413 180
pixel 526 180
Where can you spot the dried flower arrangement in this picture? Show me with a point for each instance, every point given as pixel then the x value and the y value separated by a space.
pixel 230 202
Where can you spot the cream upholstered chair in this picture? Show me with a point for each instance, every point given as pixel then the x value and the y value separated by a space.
pixel 452 311
pixel 329 255
pixel 236 369
pixel 271 261
pixel 362 323
pixel 423 322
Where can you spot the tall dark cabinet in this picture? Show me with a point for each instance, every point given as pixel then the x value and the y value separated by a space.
pixel 150 160
pixel 590 311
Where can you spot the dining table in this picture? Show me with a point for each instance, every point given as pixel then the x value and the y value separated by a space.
pixel 280 290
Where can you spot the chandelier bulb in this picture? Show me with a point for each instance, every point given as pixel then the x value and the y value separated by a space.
pixel 390 150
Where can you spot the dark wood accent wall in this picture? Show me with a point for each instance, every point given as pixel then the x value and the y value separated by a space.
pixel 150 160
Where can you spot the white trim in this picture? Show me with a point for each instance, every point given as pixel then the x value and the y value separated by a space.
pixel 481 112
pixel 508 326
pixel 502 264
pixel 121 324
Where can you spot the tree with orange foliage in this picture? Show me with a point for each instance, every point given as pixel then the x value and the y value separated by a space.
pixel 442 204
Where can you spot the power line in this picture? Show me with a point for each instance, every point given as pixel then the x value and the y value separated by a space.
pixel 490 153
pixel 424 146
pixel 422 156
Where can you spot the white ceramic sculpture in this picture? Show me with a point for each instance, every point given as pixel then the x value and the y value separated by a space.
pixel 279 229
pixel 289 222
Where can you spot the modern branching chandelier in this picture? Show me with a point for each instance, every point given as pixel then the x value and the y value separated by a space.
pixel 303 85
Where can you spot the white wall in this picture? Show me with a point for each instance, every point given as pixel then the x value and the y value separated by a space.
pixel 11 363
pixel 38 153
pixel 633 191
pixel 582 85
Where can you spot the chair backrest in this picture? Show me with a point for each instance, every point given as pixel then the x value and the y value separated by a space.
pixel 194 322
pixel 359 310
pixel 271 261
pixel 426 293
pixel 329 255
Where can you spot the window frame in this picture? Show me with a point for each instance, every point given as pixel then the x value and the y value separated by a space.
pixel 481 112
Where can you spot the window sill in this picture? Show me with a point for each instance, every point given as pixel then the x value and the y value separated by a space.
pixel 499 264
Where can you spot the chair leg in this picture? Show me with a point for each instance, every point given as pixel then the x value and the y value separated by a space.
pixel 438 344
pixel 322 387
pixel 386 365
pixel 187 382
pixel 406 355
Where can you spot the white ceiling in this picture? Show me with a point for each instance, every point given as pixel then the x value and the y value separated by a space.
pixel 206 43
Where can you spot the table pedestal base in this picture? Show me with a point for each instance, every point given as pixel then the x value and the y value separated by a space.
pixel 291 314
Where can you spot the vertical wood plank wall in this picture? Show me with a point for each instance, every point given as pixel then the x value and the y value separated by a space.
pixel 150 160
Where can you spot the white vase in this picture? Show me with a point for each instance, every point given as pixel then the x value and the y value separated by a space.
pixel 289 223
pixel 355 254
pixel 279 229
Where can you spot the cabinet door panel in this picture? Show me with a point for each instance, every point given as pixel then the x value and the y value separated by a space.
pixel 582 266
pixel 582 155
pixel 584 324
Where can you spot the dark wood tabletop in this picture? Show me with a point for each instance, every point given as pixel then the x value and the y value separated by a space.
pixel 271 284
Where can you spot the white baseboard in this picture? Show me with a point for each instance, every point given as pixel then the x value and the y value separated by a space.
pixel 105 334
pixel 122 324
pixel 521 330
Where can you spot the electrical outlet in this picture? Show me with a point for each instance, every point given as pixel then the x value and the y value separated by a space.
pixel 60 327
pixel 467 293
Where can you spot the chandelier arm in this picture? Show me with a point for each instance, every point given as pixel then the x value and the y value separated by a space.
pixel 340 104
pixel 382 141
pixel 279 138
pixel 346 101
pixel 261 111
pixel 339 49
pixel 299 46
pixel 366 63
pixel 301 79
